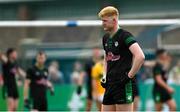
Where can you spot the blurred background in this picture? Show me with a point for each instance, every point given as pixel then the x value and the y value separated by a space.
pixel 66 41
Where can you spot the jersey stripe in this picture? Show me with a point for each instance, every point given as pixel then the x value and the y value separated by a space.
pixel 129 40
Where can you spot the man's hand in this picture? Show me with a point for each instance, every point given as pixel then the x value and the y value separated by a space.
pixel 3 58
pixel 51 89
pixel 170 90
pixel 125 79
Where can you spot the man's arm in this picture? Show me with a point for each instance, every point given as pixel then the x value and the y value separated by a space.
pixel 150 64
pixel 21 72
pixel 138 59
pixel 105 65
pixel 103 80
pixel 94 75
pixel 160 81
pixel 50 87
pixel 26 88
pixel 94 88
pixel 80 82
pixel 26 94
pixel 3 58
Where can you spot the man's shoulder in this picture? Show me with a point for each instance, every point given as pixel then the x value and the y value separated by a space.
pixel 30 69
pixel 96 66
pixel 125 33
pixel 157 66
pixel 99 64
pixel 105 36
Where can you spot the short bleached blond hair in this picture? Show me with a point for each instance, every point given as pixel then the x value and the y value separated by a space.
pixel 108 11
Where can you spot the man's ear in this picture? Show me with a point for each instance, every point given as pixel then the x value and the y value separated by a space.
pixel 114 20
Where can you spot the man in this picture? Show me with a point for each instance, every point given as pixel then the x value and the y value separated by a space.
pixel 161 91
pixel 78 76
pixel 123 59
pixel 36 81
pixel 97 89
pixel 10 68
pixel 175 73
pixel 88 69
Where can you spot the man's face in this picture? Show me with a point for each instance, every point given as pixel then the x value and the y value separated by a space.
pixel 41 58
pixel 14 55
pixel 108 23
pixel 164 56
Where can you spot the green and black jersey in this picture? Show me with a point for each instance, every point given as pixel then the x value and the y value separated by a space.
pixel 158 70
pixel 160 94
pixel 38 85
pixel 118 55
pixel 9 75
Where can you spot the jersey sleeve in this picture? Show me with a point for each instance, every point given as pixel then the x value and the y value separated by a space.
pixel 156 70
pixel 128 39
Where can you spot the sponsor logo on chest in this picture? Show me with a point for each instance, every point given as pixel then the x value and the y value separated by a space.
pixel 43 73
pixel 116 44
pixel 111 57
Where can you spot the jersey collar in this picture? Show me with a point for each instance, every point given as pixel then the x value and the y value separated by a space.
pixel 114 35
pixel 38 67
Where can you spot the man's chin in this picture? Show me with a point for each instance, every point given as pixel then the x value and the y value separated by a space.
pixel 106 30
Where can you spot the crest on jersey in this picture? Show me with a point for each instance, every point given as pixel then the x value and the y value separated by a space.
pixel 37 73
pixel 116 44
pixel 106 44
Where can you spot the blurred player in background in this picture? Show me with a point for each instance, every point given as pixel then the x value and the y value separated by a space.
pixel 97 89
pixel 175 73
pixel 10 68
pixel 77 76
pixel 88 69
pixel 162 92
pixel 149 64
pixel 55 75
pixel 36 82
pixel 123 57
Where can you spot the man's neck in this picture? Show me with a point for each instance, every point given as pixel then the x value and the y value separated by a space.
pixel 114 30
pixel 95 59
pixel 160 62
pixel 40 66
pixel 11 60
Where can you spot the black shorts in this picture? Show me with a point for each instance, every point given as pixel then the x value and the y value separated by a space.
pixel 135 88
pixel 160 95
pixel 39 104
pixel 118 94
pixel 12 92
